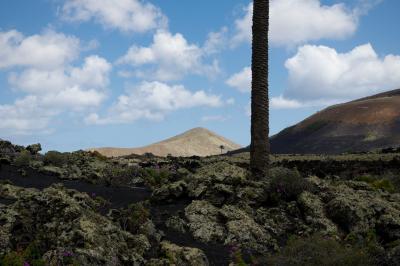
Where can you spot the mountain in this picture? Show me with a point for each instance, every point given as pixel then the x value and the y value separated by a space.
pixel 197 141
pixel 361 125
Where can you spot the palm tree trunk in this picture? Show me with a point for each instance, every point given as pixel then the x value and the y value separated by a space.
pixel 259 147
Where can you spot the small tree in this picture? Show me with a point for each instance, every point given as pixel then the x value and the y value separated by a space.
pixel 222 147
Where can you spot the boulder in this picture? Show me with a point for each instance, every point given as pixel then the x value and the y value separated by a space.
pixel 314 213
pixel 203 222
pixel 183 256
pixel 66 220
pixel 177 224
pixel 170 191
pixel 245 232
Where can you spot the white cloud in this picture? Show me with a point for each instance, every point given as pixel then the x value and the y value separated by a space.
pixel 71 87
pixel 241 80
pixel 298 21
pixel 74 98
pixel 52 92
pixel 40 66
pixel 216 41
pixel 45 51
pixel 230 101
pixel 281 103
pixel 169 57
pixel 93 74
pixel 24 117
pixel 124 15
pixel 153 100
pixel 321 74
pixel 243 26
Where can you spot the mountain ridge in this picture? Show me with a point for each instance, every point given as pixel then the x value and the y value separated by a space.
pixel 363 124
pixel 194 142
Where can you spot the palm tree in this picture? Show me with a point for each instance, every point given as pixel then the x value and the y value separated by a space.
pixel 222 147
pixel 259 147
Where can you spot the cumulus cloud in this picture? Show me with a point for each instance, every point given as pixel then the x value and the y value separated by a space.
pixel 298 21
pixel 170 57
pixel 320 76
pixel 153 100
pixel 93 74
pixel 25 116
pixel 49 93
pixel 241 80
pixel 320 73
pixel 124 15
pixel 45 51
pixel 281 103
pixel 216 41
pixel 74 87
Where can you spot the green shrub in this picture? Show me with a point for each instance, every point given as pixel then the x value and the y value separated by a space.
pixel 133 217
pixel 155 177
pixel 366 178
pixel 317 250
pixel 23 159
pixel 381 183
pixel 237 256
pixel 368 241
pixel 55 158
pixel 384 184
pixel 99 156
pixel 286 184
pixel 13 259
pixel 30 256
pixel 119 172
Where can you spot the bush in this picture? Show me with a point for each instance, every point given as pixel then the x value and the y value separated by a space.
pixel 368 241
pixel 317 250
pixel 236 256
pixel 55 158
pixel 30 256
pixel 155 177
pixel 34 148
pixel 115 174
pixel 98 155
pixel 133 217
pixel 13 259
pixel 378 183
pixel 286 184
pixel 23 159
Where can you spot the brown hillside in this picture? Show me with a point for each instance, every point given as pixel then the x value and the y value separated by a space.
pixel 364 124
pixel 197 141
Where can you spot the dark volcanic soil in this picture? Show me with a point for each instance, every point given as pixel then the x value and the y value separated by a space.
pixel 118 197
pixel 217 254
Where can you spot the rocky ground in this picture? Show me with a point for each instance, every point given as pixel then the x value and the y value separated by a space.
pixel 83 209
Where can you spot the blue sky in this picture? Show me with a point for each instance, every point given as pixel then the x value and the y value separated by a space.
pixel 82 73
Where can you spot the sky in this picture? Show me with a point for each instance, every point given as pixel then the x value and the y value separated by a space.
pixel 76 74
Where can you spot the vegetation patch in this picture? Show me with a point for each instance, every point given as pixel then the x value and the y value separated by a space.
pixel 378 183
pixel 55 158
pixel 131 218
pixel 31 256
pixel 315 127
pixel 318 250
pixel 23 159
pixel 286 184
pixel 155 176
